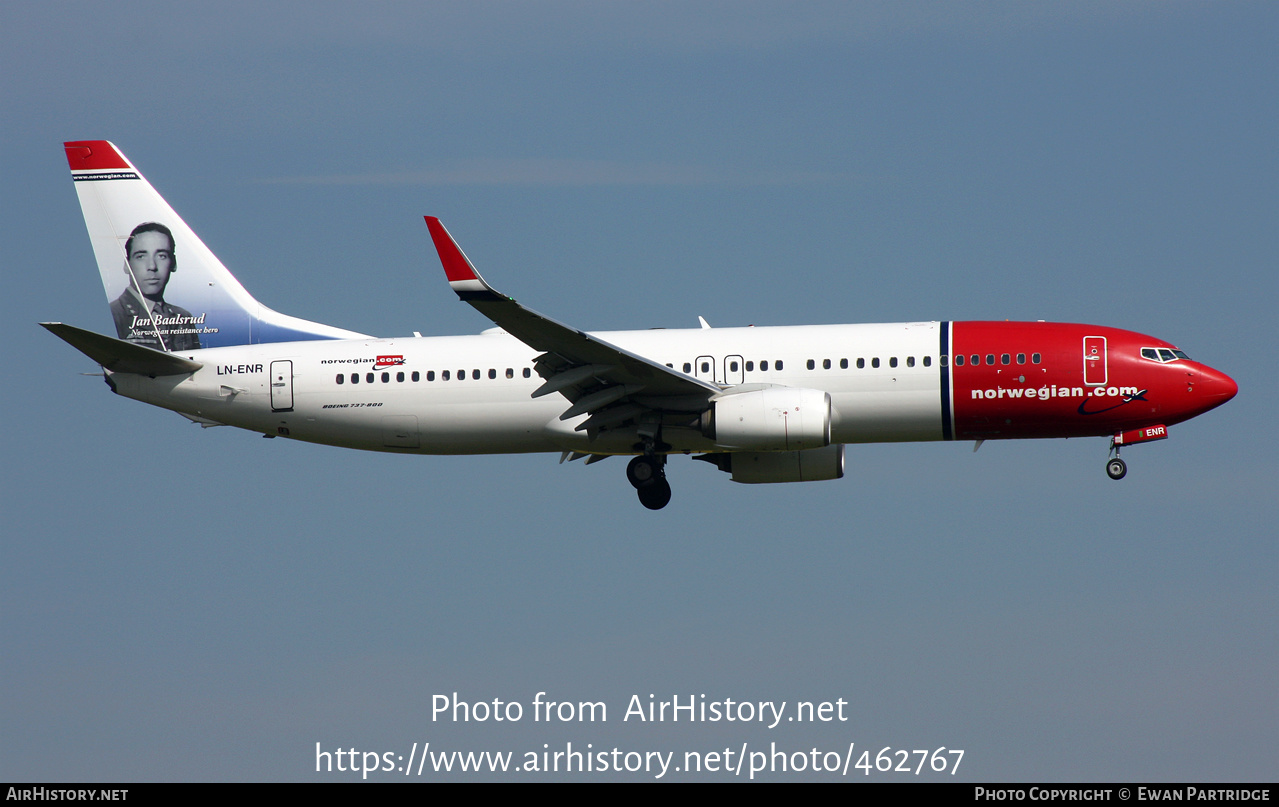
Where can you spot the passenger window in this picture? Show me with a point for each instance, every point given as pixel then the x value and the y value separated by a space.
pixel 874 362
pixel 732 366
pixel 475 374
pixel 811 365
pixel 510 372
pixel 892 362
pixel 959 361
pixel 861 364
pixel 825 364
pixel 1034 358
pixel 492 373
pixel 910 361
pixel 750 366
pixel 445 375
pixel 688 368
pixel 843 364
pixel 763 366
pixel 990 359
pixel 1005 359
pixel 1021 358
pixel 386 378
pixel 706 367
pixel 368 377
pixel 974 360
pixel 399 376
pixel 355 378
pixel 527 373
pixel 341 378
pixel 417 377
pixel 778 364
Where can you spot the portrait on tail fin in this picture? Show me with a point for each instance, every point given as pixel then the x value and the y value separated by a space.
pixel 152 304
pixel 140 312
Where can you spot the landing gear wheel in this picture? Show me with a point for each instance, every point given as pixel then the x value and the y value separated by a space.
pixel 1116 468
pixel 656 495
pixel 643 471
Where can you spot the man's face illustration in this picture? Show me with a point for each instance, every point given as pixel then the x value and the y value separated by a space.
pixel 151 261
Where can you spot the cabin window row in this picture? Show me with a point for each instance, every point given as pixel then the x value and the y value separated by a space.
pixel 444 375
pixel 704 367
pixel 827 364
pixel 975 359
pixel 927 361
pixel 959 360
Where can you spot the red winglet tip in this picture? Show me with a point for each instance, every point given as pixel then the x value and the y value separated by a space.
pixel 456 266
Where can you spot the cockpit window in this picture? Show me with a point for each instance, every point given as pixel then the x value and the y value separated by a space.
pixel 1163 354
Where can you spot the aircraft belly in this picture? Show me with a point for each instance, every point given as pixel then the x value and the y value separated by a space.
pixel 886 416
pixel 484 428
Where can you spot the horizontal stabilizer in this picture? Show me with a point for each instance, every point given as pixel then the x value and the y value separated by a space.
pixel 120 356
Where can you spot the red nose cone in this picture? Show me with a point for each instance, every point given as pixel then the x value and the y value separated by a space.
pixel 1217 387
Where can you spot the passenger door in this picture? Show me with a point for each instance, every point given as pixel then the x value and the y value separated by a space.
pixel 1095 361
pixel 281 386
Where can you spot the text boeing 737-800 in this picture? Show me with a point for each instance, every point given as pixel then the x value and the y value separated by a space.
pixel 773 404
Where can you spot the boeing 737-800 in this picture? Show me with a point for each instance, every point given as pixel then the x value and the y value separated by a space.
pixel 767 404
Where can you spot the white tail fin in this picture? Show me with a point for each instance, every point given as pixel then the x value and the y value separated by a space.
pixel 166 289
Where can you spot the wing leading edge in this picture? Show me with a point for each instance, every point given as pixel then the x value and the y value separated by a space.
pixel 613 386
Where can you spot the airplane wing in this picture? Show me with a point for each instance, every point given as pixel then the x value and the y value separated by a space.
pixel 610 384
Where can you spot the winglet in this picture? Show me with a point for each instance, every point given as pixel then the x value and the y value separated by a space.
pixel 461 274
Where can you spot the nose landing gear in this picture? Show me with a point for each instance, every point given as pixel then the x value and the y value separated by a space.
pixel 1116 468
pixel 647 474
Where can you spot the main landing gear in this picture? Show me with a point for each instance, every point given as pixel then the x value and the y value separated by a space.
pixel 647 474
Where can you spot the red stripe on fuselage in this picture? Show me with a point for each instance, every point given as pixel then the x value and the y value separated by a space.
pixel 1054 397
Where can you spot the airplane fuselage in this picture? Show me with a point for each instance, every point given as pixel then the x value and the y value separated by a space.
pixel 893 382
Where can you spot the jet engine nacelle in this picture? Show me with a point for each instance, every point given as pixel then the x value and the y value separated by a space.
pixel 770 419
pixel 759 467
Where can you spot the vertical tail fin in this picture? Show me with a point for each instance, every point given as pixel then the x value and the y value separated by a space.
pixel 166 289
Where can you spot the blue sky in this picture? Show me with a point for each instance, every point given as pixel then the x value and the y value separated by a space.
pixel 183 604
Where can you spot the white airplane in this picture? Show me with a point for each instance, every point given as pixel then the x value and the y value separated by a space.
pixel 773 404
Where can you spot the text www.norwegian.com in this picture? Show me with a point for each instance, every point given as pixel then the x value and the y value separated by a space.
pixel 737 761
